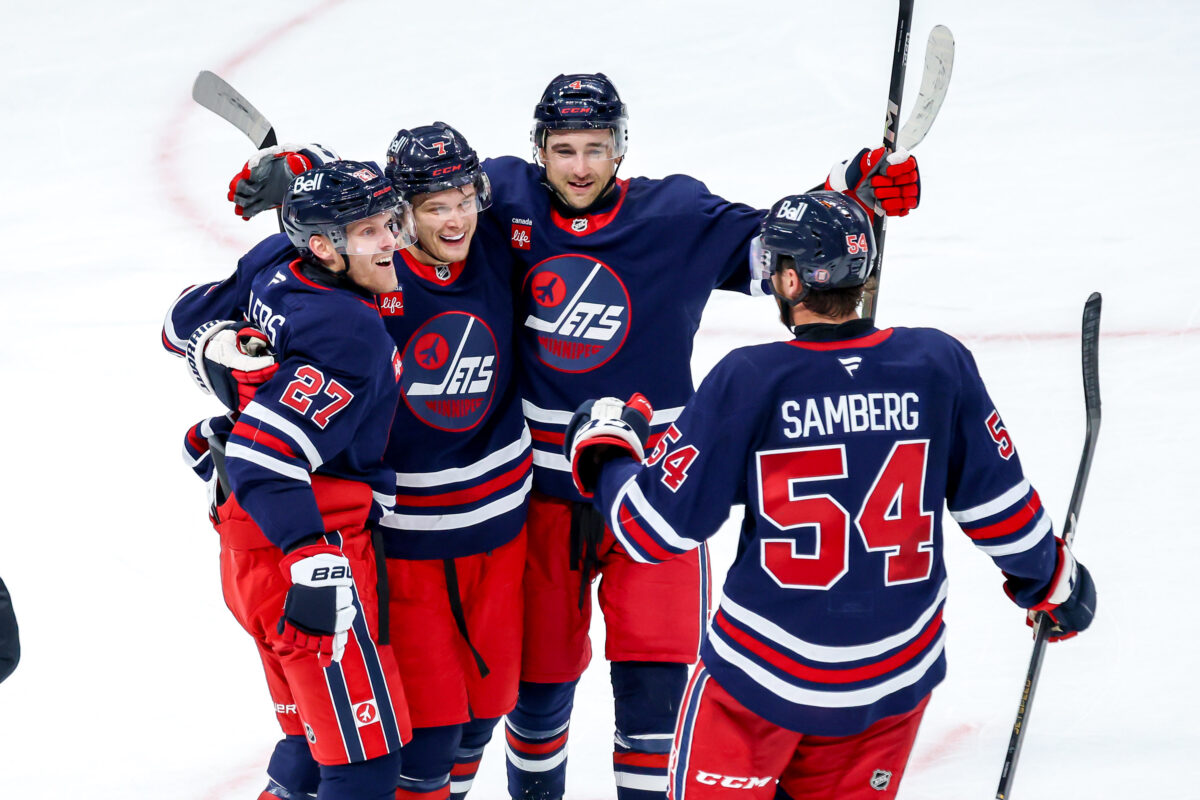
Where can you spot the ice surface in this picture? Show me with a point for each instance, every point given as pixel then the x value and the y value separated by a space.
pixel 1062 163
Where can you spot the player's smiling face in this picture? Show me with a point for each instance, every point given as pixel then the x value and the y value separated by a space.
pixel 579 164
pixel 445 223
pixel 370 249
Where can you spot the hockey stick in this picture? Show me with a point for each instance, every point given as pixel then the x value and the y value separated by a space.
pixel 895 93
pixel 1091 399
pixel 211 91
pixel 935 81
pixel 214 93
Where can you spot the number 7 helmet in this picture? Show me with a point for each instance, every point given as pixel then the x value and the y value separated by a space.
pixel 825 236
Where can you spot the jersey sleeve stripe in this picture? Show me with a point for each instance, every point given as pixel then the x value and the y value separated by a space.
pixel 470 494
pixel 551 460
pixel 549 437
pixel 261 437
pixel 658 526
pixel 1008 525
pixel 235 451
pixel 1026 542
pixel 421 480
pixel 831 653
pixel 257 411
pixel 650 550
pixel 994 506
pixel 804 672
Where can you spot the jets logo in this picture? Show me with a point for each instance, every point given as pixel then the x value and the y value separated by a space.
pixel 578 312
pixel 449 371
pixel 366 713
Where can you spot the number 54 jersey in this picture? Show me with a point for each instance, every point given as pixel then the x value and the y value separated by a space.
pixel 843 445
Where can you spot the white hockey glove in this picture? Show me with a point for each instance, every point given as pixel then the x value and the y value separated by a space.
pixel 230 360
pixel 266 176
pixel 319 609
pixel 602 430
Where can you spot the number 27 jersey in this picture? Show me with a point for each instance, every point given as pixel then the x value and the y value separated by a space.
pixel 843 452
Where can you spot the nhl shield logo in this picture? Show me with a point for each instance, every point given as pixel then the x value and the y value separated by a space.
pixel 310 734
pixel 880 780
pixel 578 312
pixel 449 368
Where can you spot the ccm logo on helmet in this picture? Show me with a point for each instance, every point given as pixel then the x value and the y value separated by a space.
pixel 788 211
pixel 731 781
pixel 303 184
pixel 575 110
pixel 447 170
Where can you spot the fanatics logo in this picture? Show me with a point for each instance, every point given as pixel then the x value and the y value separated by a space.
pixel 521 236
pixel 366 713
pixel 392 304
pixel 579 224
pixel 880 780
pixel 850 363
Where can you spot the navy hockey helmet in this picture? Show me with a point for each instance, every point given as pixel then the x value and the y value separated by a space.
pixel 826 234
pixel 585 101
pixel 433 158
pixel 325 199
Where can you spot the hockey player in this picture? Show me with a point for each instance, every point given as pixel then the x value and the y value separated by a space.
pixel 304 463
pixel 842 443
pixel 616 274
pixel 614 277
pixel 460 450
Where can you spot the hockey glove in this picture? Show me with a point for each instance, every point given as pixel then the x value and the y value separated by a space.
pixel 889 186
pixel 1070 600
pixel 602 430
pixel 266 176
pixel 319 608
pixel 231 360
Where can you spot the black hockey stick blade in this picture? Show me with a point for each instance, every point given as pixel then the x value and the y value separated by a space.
pixel 935 82
pixel 1091 399
pixel 211 91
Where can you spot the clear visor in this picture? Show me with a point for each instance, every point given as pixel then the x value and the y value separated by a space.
pixel 589 144
pixel 391 229
pixel 465 200
pixel 763 262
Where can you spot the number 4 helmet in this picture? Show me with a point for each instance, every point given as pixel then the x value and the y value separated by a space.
pixel 433 158
pixel 587 101
pixel 326 199
pixel 826 234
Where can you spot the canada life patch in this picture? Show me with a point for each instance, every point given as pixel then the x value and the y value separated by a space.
pixel 392 304
pixel 522 235
pixel 578 312
pixel 449 371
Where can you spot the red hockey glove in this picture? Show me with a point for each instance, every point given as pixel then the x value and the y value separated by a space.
pixel 319 608
pixel 266 176
pixel 231 360
pixel 1070 599
pixel 892 187
pixel 602 430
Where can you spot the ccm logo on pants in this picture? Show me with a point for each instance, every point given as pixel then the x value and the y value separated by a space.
pixel 730 781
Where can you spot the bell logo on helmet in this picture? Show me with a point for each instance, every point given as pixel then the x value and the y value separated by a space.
pixel 303 184
pixel 788 211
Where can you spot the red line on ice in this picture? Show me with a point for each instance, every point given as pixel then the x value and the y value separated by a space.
pixel 168 151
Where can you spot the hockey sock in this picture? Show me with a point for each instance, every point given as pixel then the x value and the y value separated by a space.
pixel 291 773
pixel 475 736
pixel 426 761
pixel 536 740
pixel 647 697
pixel 373 779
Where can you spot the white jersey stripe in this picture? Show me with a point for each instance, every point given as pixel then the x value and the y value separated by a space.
pixel 648 514
pixel 449 522
pixel 551 460
pixel 828 653
pixel 527 765
pixel 821 698
pixel 264 414
pixel 1026 542
pixel 993 506
pixel 424 480
pixel 265 461
pixel 550 416
pixel 169 326
pixel 645 783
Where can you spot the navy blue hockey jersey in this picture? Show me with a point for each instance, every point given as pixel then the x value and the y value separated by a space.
pixel 610 302
pixel 459 446
pixel 843 452
pixel 328 408
pixel 459 449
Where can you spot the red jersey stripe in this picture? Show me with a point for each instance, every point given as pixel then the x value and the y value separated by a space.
pixel 259 436
pixel 1006 526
